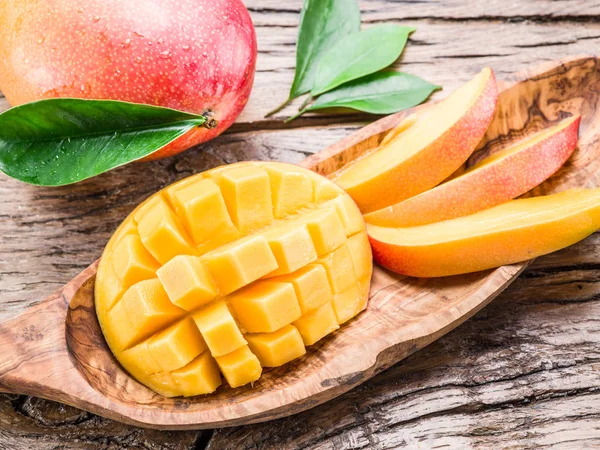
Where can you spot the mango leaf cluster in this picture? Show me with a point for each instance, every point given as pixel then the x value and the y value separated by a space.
pixel 340 65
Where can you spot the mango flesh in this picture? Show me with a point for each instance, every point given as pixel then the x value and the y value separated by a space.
pixel 423 150
pixel 230 271
pixel 515 231
pixel 496 179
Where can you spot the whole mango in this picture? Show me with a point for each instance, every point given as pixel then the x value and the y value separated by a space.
pixel 194 55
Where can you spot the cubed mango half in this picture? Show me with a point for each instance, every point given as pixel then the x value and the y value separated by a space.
pixel 229 271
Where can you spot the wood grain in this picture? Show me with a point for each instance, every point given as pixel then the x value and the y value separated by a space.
pixel 69 361
pixel 271 11
pixel 48 236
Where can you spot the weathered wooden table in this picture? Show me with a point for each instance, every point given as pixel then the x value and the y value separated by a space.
pixel 523 373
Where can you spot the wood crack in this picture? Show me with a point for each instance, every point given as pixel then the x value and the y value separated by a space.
pixel 534 272
pixel 476 408
pixel 466 384
pixel 534 18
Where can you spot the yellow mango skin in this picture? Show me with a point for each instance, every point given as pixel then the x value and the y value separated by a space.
pixel 237 269
pixel 509 233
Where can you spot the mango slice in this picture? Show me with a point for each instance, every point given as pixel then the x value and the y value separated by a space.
pixel 423 150
pixel 505 234
pixel 229 271
pixel 496 179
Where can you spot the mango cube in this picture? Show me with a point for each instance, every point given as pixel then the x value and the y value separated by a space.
pixel 195 203
pixel 219 330
pixel 187 282
pixel 162 233
pixel 340 269
pixel 127 227
pixel 360 251
pixel 140 357
pixel 326 230
pixel 311 286
pixel 114 289
pixel 265 306
pixel 292 247
pixel 131 262
pixel 247 194
pixel 163 383
pixel 317 324
pixel 276 348
pixel 177 345
pixel 229 271
pixel 364 287
pixel 201 376
pixel 348 213
pixel 347 304
pixel 143 310
pixel 237 264
pixel 325 191
pixel 148 204
pixel 240 367
pixel 180 184
pixel 290 188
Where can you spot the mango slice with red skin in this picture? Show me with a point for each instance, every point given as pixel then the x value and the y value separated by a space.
pixel 425 151
pixel 496 179
pixel 505 234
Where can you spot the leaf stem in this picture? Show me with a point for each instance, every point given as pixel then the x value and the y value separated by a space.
pixel 306 102
pixel 279 108
pixel 295 116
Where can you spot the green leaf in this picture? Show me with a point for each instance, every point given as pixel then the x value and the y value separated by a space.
pixel 383 92
pixel 61 141
pixel 360 54
pixel 322 24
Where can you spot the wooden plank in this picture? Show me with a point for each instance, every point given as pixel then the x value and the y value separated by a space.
pixel 30 423
pixel 272 11
pixel 523 373
pixel 544 324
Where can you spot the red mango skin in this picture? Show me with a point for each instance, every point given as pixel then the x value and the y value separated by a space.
pixel 193 55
